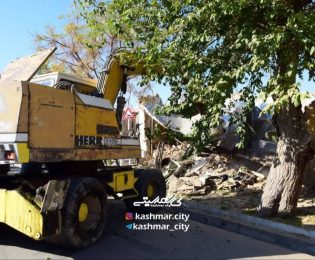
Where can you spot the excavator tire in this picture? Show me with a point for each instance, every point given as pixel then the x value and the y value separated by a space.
pixel 150 184
pixel 84 214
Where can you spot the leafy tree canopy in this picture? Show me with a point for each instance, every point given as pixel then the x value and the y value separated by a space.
pixel 209 50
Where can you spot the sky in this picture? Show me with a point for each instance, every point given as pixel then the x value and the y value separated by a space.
pixel 20 19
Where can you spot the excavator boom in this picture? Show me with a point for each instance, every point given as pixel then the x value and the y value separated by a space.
pixel 113 79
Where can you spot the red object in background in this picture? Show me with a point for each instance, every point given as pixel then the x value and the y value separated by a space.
pixel 9 155
pixel 128 114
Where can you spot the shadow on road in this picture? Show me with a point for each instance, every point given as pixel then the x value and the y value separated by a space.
pixel 199 242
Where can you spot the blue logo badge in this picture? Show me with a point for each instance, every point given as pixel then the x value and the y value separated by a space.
pixel 129 226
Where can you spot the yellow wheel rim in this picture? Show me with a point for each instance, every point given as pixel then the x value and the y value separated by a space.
pixel 151 190
pixel 83 212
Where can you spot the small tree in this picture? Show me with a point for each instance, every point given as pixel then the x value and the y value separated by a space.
pixel 209 50
pixel 80 51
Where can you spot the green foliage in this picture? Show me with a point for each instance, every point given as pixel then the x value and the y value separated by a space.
pixel 208 50
pixel 163 133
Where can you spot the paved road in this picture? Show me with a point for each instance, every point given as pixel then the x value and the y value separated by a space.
pixel 199 242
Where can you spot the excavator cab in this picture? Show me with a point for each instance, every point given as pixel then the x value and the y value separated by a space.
pixel 64 81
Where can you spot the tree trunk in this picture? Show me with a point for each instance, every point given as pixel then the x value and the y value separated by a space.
pixel 294 150
pixel 309 177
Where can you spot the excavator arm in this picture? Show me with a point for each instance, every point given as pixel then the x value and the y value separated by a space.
pixel 114 78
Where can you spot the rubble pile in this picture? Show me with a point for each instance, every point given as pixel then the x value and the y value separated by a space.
pixel 176 152
pixel 204 175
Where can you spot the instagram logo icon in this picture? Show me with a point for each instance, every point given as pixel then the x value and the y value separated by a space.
pixel 128 216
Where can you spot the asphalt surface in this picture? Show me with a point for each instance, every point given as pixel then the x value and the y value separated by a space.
pixel 199 242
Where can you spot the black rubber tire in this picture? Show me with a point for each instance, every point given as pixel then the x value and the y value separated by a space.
pixel 145 178
pixel 72 235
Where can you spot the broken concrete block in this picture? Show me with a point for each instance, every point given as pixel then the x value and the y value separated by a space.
pixel 217 158
pixel 196 182
pixel 208 172
pixel 230 183
pixel 185 187
pixel 202 179
pixel 192 181
pixel 173 183
pixel 197 166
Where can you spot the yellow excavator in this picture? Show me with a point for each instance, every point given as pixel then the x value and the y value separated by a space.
pixel 57 132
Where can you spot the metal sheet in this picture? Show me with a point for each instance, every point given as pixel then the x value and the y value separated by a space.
pixel 94 101
pixel 25 68
pixel 55 195
pixel 87 119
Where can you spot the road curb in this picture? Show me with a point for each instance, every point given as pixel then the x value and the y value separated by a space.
pixel 284 235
